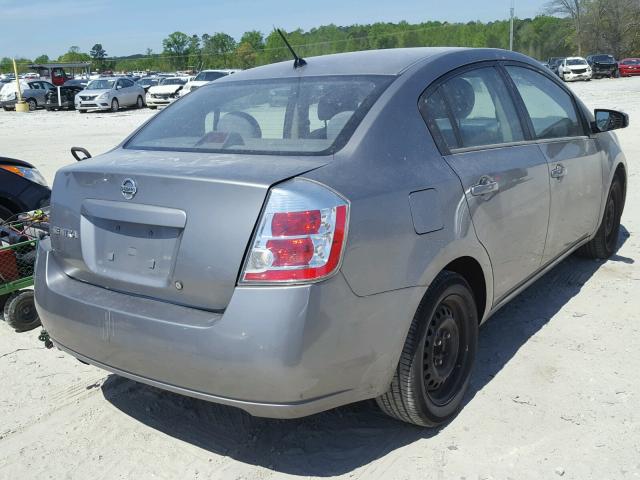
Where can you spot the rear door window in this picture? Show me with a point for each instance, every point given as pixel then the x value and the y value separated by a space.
pixel 551 109
pixel 473 109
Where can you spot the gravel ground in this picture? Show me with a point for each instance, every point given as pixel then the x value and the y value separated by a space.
pixel 556 392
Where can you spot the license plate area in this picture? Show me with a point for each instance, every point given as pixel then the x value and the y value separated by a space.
pixel 129 252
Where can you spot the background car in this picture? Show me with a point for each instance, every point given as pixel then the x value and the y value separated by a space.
pixel 343 245
pixel 553 63
pixel 33 92
pixel 603 65
pixel 166 92
pixel 204 77
pixel 22 188
pixel 147 82
pixel 66 101
pixel 110 94
pixel 629 67
pixel 574 68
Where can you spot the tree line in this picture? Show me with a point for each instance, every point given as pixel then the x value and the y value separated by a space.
pixel 569 27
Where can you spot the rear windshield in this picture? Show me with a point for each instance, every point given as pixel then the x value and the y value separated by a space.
pixel 304 116
pixel 209 76
pixel 576 61
pixel 633 61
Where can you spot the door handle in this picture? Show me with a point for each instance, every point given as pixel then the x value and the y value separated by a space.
pixel 484 186
pixel 558 171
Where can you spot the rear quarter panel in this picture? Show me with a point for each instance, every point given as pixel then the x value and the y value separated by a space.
pixel 390 156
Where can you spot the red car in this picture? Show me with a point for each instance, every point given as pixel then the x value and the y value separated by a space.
pixel 629 67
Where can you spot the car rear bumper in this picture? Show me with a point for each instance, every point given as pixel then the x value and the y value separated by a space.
pixel 279 352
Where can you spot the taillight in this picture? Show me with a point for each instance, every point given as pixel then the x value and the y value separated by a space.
pixel 300 236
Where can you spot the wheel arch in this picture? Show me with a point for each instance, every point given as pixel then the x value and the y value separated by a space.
pixel 471 270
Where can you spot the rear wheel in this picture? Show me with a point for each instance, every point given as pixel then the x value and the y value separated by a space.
pixel 20 311
pixel 139 102
pixel 115 106
pixel 32 104
pixel 435 365
pixel 603 245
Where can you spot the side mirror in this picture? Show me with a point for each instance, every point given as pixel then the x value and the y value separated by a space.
pixel 607 120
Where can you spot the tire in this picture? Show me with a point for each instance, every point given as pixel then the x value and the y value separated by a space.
pixel 33 105
pixel 20 311
pixel 82 111
pixel 139 102
pixel 152 107
pixel 7 109
pixel 430 381
pixel 115 105
pixel 603 245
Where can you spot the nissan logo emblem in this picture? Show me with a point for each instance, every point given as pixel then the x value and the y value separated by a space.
pixel 129 188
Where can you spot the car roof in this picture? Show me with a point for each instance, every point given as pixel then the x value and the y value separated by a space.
pixel 393 61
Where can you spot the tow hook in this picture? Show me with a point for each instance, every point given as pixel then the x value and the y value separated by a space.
pixel 44 337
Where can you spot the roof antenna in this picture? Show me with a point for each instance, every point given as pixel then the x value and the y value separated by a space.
pixel 298 61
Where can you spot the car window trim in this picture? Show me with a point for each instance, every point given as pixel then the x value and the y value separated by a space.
pixel 441 144
pixel 579 111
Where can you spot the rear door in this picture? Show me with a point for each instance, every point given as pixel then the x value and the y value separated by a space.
pixel 475 120
pixel 575 159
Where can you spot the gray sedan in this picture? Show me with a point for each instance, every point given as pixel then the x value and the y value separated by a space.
pixel 287 240
pixel 34 94
pixel 110 94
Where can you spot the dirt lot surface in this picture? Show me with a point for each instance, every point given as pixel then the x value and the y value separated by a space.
pixel 556 391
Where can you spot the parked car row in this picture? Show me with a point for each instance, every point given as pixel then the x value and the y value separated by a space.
pixel 107 93
pixel 593 66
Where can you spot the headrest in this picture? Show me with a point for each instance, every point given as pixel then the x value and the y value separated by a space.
pixel 461 96
pixel 337 101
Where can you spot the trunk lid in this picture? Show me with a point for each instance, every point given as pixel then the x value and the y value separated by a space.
pixel 166 225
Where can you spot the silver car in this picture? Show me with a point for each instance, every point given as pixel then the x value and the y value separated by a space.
pixel 33 93
pixel 287 240
pixel 110 94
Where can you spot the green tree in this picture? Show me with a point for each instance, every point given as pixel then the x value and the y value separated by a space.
pixel 98 54
pixel 176 49
pixel 218 50
pixel 74 55
pixel 41 59
pixel 246 56
pixel 254 38
pixel 195 58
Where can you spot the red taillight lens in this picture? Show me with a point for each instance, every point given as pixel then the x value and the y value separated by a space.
pixel 295 223
pixel 293 244
pixel 291 253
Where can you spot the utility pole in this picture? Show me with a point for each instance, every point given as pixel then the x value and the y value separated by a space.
pixel 511 25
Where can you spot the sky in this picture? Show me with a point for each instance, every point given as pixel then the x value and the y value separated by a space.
pixel 125 27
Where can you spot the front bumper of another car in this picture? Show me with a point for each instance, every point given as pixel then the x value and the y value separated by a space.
pixel 572 76
pixel 160 100
pixel 282 351
pixel 92 104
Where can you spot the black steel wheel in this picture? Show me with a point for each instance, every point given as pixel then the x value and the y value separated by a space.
pixel 603 245
pixel 436 363
pixel 20 311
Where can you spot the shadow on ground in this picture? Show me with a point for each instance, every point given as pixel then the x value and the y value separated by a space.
pixel 339 441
